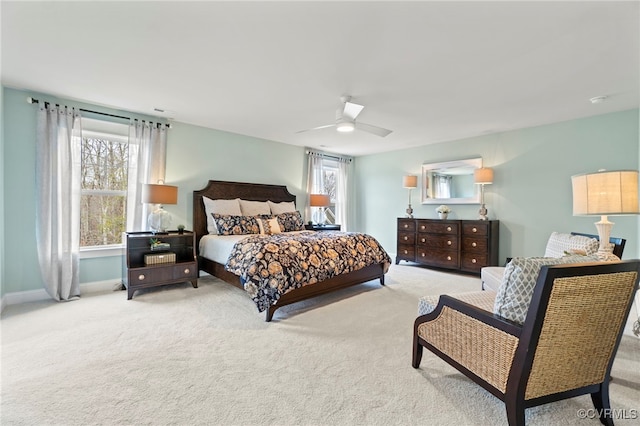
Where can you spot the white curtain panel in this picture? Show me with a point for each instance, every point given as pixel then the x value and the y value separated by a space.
pixel 342 194
pixel 147 154
pixel 58 146
pixel 314 180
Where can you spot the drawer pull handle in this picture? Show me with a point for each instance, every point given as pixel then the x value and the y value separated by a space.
pixel 406 225
pixel 449 242
pixel 141 277
pixel 423 255
pixel 448 257
pixel 422 227
pixel 473 244
pixel 473 261
pixel 186 271
pixel 448 228
pixel 424 240
pixel 406 252
pixel 406 238
pixel 475 229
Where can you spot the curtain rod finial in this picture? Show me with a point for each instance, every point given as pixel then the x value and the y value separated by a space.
pixel 29 100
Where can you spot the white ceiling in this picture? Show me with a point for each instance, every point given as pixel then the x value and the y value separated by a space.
pixel 429 71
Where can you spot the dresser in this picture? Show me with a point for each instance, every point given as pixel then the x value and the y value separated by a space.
pixel 463 245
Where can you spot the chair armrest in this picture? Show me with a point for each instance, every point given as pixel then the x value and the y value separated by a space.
pixel 475 341
pixel 489 318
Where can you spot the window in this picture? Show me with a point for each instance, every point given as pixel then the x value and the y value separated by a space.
pixel 104 177
pixel 329 180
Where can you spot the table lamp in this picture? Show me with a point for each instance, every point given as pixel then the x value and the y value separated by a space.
pixel 410 182
pixel 483 176
pixel 321 201
pixel 159 219
pixel 605 193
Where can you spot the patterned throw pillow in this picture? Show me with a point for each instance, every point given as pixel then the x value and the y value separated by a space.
pixel 290 221
pixel 236 225
pixel 268 225
pixel 519 279
pixel 560 244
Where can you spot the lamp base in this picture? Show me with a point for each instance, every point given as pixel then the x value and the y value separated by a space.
pixel 159 220
pixel 409 212
pixel 604 234
pixel 483 213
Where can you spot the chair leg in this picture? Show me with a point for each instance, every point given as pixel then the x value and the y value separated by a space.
pixel 417 352
pixel 601 403
pixel 515 411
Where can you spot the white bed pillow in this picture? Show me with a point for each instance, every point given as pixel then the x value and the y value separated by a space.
pixel 283 207
pixel 560 244
pixel 254 208
pixel 224 207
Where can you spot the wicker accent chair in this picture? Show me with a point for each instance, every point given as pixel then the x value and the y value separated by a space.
pixel 565 347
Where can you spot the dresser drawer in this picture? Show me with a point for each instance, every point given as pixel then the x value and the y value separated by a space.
pixel 438 227
pixel 438 241
pixel 406 225
pixel 473 262
pixel 475 229
pixel 406 238
pixel 475 244
pixel 406 252
pixel 442 258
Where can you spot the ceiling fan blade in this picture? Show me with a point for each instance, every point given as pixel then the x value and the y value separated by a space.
pixel 316 128
pixel 379 131
pixel 351 110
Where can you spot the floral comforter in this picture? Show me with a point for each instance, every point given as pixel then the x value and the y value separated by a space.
pixel 271 265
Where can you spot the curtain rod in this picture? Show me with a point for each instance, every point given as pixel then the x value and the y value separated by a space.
pixel 37 101
pixel 331 157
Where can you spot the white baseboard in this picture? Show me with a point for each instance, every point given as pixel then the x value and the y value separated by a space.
pixel 37 295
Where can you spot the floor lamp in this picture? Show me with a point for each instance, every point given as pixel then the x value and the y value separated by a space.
pixel 410 182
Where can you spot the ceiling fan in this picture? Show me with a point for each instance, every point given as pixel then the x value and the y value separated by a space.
pixel 346 120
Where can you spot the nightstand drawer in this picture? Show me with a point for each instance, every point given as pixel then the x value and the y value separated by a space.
pixel 185 270
pixel 144 276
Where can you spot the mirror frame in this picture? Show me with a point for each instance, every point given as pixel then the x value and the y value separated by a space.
pixel 473 163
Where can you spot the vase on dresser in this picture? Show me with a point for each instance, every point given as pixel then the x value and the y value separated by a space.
pixel 443 216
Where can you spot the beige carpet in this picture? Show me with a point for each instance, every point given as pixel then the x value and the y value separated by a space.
pixel 184 356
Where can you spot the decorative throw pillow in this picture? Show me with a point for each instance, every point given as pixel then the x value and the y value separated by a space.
pixel 519 279
pixel 223 207
pixel 254 208
pixel 284 207
pixel 268 225
pixel 236 225
pixel 559 243
pixel 290 221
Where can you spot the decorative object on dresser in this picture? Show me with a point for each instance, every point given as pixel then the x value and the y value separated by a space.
pixel 483 176
pixel 159 220
pixel 410 182
pixel 464 245
pixel 145 266
pixel 320 201
pixel 443 211
pixel 605 193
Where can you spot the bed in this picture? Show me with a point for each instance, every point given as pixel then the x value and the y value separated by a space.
pixel 214 265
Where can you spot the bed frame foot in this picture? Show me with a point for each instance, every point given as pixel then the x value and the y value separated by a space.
pixel 382 279
pixel 269 314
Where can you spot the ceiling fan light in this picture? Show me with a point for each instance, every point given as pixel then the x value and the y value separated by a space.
pixel 345 126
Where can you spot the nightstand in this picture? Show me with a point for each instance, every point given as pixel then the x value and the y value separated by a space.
pixel 143 267
pixel 322 227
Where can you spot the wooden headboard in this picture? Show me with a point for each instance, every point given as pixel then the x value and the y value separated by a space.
pixel 218 189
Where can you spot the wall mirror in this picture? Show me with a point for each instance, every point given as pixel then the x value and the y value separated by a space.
pixel 450 182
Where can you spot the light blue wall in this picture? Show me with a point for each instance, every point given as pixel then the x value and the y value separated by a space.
pixel 194 155
pixel 531 194
pixel 2 156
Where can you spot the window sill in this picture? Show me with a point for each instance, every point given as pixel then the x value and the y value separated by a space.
pixel 106 251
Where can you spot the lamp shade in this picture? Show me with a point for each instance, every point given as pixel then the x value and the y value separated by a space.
pixel 410 181
pixel 319 200
pixel 605 193
pixel 483 176
pixel 159 194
